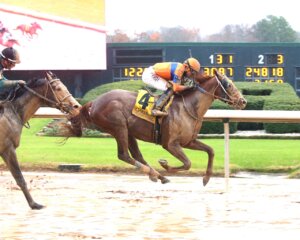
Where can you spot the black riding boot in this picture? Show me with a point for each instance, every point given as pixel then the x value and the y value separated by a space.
pixel 161 101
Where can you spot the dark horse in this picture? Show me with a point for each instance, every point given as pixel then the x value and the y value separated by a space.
pixel 15 112
pixel 112 113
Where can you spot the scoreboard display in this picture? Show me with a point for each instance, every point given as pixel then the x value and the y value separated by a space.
pixel 269 68
pixel 275 63
pixel 223 62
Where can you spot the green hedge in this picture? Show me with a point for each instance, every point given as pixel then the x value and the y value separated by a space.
pixel 263 96
pixel 126 85
pixel 260 96
pixel 282 127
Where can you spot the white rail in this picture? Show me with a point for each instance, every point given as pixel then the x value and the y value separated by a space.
pixel 47 112
pixel 253 116
pixel 227 116
pixel 213 115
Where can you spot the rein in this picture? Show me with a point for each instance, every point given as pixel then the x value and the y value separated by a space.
pixel 202 90
pixel 39 95
pixel 213 94
pixel 188 111
pixel 58 103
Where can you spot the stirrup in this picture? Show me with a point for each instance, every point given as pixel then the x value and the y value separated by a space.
pixel 158 113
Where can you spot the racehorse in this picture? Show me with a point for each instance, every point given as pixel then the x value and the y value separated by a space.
pixel 112 113
pixel 19 107
pixel 29 30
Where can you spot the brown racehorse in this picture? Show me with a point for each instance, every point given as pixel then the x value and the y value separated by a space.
pixel 18 108
pixel 29 30
pixel 112 113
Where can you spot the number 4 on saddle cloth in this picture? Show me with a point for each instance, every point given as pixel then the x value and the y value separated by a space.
pixel 144 104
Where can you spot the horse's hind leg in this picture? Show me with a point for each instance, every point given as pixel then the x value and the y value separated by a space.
pixel 135 151
pixel 11 161
pixel 137 155
pixel 197 145
pixel 121 136
pixel 176 150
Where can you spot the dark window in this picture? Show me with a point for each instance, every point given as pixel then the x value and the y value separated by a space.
pixel 297 72
pixel 138 56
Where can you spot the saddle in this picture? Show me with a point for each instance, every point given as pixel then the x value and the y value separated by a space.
pixel 143 106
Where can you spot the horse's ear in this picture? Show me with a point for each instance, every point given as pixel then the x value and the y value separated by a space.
pixel 218 74
pixel 49 75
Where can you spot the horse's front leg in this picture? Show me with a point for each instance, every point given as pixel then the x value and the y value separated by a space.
pixel 197 145
pixel 11 161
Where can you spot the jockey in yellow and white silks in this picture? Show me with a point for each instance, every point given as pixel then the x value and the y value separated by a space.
pixel 169 77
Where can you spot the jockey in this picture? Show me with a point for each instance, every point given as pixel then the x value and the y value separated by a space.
pixel 9 57
pixel 170 77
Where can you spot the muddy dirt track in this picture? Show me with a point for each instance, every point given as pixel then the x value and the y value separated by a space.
pixel 96 206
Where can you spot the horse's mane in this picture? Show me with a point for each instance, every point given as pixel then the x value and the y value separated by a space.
pixel 199 79
pixel 202 77
pixel 18 91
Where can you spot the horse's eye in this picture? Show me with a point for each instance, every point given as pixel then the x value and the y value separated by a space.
pixel 229 85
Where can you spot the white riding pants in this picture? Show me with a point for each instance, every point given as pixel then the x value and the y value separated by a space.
pixel 150 78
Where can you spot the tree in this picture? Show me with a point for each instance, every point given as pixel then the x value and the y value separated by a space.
pixel 118 36
pixel 180 34
pixel 150 36
pixel 270 29
pixel 175 34
pixel 274 29
pixel 232 33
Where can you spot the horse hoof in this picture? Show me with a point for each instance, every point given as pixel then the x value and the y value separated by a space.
pixel 205 180
pixel 36 206
pixel 164 180
pixel 163 163
pixel 153 178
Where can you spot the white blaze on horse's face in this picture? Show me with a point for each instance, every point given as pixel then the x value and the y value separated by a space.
pixel 237 98
pixel 63 97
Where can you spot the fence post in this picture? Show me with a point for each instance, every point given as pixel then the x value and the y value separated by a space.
pixel 226 151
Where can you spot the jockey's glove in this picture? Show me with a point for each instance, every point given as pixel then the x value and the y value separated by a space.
pixel 188 82
pixel 21 82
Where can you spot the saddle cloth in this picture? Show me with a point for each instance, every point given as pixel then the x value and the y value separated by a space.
pixel 144 104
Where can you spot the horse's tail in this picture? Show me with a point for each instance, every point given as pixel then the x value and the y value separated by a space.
pixel 85 113
pixel 80 121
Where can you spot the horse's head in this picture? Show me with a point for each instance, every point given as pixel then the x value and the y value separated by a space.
pixel 55 94
pixel 222 88
pixel 36 25
pixel 229 93
pixel 60 96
